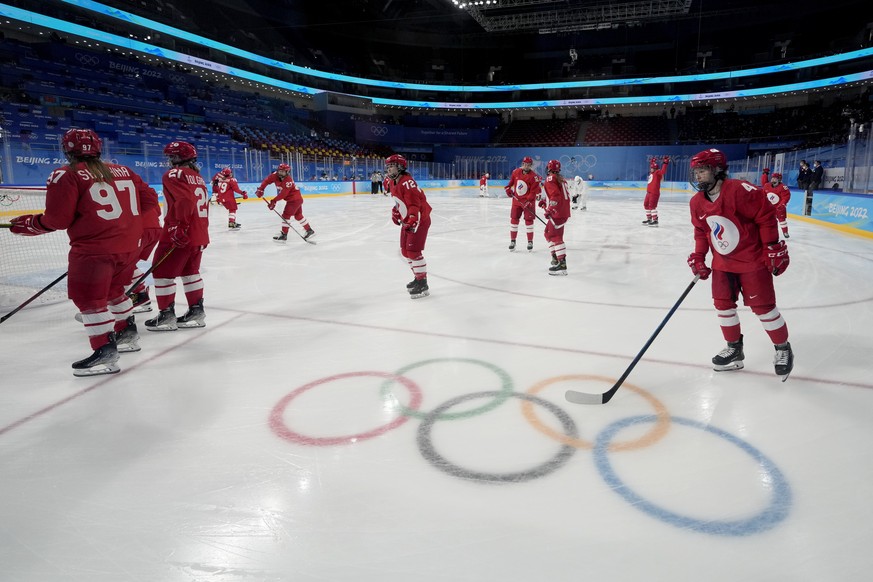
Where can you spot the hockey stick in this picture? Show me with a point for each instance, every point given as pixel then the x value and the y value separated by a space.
pixel 38 293
pixel 288 224
pixel 533 210
pixel 154 266
pixel 584 398
pixel 5 226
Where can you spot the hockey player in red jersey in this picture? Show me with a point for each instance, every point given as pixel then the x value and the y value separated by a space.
pixel 735 220
pixel 483 185
pixel 778 194
pixel 653 191
pixel 186 232
pixel 100 206
pixel 411 213
pixel 288 191
pixel 524 189
pixel 224 187
pixel 556 204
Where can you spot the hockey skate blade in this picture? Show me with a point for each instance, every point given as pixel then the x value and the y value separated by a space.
pixel 98 370
pixel 420 295
pixel 583 397
pixel 785 377
pixel 129 347
pixel 738 365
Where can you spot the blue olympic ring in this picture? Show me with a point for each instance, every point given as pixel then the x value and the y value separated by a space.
pixel 767 519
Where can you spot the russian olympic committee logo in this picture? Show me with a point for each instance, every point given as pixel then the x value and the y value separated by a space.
pixel 724 234
pixel 379 130
pixel 87 60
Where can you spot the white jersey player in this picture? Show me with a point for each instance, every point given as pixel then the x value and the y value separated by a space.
pixel 580 193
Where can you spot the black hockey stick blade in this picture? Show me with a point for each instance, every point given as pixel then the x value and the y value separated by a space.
pixel 5 226
pixel 585 398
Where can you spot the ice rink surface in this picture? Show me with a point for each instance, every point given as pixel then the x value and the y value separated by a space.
pixel 324 427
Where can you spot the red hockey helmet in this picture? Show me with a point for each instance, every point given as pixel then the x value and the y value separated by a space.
pixel 227 173
pixel 776 176
pixel 712 157
pixel 82 143
pixel 554 166
pixel 527 160
pixel 653 164
pixel 283 168
pixel 180 151
pixel 396 159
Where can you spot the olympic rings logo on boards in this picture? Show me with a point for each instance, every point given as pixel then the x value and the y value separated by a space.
pixel 560 428
pixel 379 130
pixel 87 60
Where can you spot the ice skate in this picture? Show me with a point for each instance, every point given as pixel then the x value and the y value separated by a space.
pixel 165 321
pixel 783 361
pixel 653 223
pixel 127 340
pixel 560 268
pixel 194 317
pixel 141 302
pixel 104 360
pixel 232 225
pixel 530 245
pixel 309 234
pixel 647 222
pixel 554 259
pixel 585 208
pixel 730 358
pixel 281 237
pixel 512 245
pixel 411 284
pixel 419 289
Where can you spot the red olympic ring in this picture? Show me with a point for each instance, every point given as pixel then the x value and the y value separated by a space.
pixel 277 422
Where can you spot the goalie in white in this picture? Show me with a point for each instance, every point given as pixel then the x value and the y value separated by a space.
pixel 580 193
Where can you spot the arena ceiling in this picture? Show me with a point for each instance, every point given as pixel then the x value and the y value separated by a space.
pixel 516 41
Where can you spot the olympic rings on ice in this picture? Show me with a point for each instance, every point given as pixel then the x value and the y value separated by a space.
pixel 567 438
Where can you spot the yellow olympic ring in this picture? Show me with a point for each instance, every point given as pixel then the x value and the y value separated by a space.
pixel 658 431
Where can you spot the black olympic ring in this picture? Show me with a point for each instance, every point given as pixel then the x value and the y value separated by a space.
pixel 428 451
pixel 379 130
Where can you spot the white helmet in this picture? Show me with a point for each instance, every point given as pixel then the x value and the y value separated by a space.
pixel 578 179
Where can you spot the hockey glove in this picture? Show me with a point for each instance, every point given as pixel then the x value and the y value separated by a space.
pixel 698 265
pixel 395 216
pixel 666 159
pixel 28 225
pixel 508 190
pixel 179 235
pixel 542 203
pixel 245 195
pixel 776 257
pixel 410 222
pixel 272 204
pixel 259 193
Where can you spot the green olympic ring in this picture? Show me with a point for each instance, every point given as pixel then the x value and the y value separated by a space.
pixel 500 396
